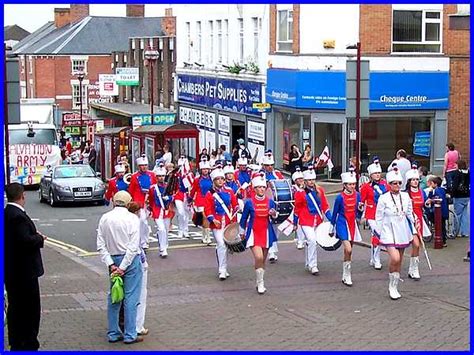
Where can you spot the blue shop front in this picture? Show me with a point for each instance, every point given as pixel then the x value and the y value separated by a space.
pixel 408 110
pixel 222 109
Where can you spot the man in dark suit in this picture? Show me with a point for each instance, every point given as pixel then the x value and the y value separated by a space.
pixel 23 267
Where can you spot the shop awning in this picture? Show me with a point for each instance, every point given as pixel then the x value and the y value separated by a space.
pixel 170 131
pixel 129 109
pixel 111 131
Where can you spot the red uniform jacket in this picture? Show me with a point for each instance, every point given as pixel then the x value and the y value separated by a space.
pixel 213 209
pixel 139 185
pixel 155 204
pixel 305 218
pixel 370 197
pixel 199 190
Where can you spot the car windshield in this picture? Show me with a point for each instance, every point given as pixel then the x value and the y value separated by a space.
pixel 73 171
pixel 42 136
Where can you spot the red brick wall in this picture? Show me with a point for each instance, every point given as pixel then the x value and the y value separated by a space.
pixel 456 46
pixel 62 17
pixel 296 29
pixel 168 25
pixel 45 83
pixel 78 12
pixel 375 29
pixel 135 10
pixel 273 28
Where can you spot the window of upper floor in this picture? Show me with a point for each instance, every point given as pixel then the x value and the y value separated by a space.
pixel 78 65
pixel 417 31
pixel 285 30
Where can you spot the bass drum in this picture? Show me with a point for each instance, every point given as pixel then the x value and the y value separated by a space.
pixel 324 240
pixel 281 192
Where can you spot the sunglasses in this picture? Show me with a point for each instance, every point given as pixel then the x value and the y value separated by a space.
pixel 396 183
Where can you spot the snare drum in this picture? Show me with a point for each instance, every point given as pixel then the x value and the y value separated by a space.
pixel 324 240
pixel 282 194
pixel 232 239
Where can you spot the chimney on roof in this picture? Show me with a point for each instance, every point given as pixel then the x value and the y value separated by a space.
pixel 168 23
pixel 135 10
pixel 62 17
pixel 169 11
pixel 78 12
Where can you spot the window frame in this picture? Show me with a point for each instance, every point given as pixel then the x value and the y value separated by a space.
pixel 219 41
pixel 74 66
pixel 240 22
pixel 256 30
pixel 199 37
pixel 188 34
pixel 211 41
pixel 424 21
pixel 77 105
pixel 289 28
pixel 226 39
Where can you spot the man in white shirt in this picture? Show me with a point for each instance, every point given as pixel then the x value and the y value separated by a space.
pixel 118 243
pixel 403 165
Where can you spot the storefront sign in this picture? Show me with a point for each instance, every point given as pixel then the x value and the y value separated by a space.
pixel 388 90
pixel 158 119
pixel 127 76
pixel 93 94
pixel 223 94
pixel 223 126
pixel 99 125
pixel 198 117
pixel 256 138
pixel 422 144
pixel 108 85
pixel 136 122
pixel 262 106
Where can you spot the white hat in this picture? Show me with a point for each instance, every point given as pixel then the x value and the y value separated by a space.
pixel 412 173
pixel 122 198
pixel 143 160
pixel 228 169
pixel 309 174
pixel 298 174
pixel 204 164
pixel 242 161
pixel 119 168
pixel 160 170
pixel 240 141
pixel 394 175
pixel 268 159
pixel 374 167
pixel 259 181
pixel 349 177
pixel 216 173
pixel 182 160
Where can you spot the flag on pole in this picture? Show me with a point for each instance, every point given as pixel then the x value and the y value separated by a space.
pixel 325 159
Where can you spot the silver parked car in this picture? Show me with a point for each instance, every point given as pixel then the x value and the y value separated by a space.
pixel 71 183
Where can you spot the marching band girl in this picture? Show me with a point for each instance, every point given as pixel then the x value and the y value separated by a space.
pixel 271 174
pixel 160 209
pixel 298 185
pixel 396 227
pixel 181 197
pixel 418 198
pixel 201 187
pixel 243 176
pixel 347 208
pixel 370 193
pixel 310 207
pixel 140 184
pixel 230 181
pixel 256 228
pixel 116 184
pixel 220 204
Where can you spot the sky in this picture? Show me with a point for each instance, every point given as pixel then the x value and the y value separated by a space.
pixel 33 16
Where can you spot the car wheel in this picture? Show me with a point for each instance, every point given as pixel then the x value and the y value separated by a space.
pixel 40 193
pixel 52 201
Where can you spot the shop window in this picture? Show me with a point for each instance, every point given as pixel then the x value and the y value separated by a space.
pixel 285 31
pixel 417 31
pixel 288 128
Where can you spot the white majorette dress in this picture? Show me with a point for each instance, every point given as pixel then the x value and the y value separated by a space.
pixel 394 216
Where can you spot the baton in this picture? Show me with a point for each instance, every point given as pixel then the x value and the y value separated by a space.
pixel 426 253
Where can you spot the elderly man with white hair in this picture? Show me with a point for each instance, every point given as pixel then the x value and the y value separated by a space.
pixel 118 243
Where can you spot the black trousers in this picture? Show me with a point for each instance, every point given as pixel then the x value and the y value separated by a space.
pixel 23 314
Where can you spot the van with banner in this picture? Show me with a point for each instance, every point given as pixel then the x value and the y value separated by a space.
pixel 33 144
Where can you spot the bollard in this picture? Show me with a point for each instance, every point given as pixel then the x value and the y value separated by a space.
pixel 438 234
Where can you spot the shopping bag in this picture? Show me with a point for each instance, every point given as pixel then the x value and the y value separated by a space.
pixel 116 291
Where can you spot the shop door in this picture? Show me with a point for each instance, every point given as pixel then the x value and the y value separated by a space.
pixel 108 157
pixel 330 135
pixel 135 153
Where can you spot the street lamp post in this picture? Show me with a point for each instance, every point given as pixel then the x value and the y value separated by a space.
pixel 80 76
pixel 150 54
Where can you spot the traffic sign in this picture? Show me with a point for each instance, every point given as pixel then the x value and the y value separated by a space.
pixel 151 54
pixel 262 106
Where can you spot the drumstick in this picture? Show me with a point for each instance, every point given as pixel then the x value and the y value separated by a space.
pixel 367 245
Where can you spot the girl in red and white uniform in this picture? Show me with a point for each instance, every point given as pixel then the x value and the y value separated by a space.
pixel 160 209
pixel 201 187
pixel 418 198
pixel 311 206
pixel 256 228
pixel 116 184
pixel 220 207
pixel 139 188
pixel 370 193
pixel 181 197
pixel 298 180
pixel 347 210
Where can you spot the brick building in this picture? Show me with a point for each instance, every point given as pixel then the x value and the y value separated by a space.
pixel 51 56
pixel 419 79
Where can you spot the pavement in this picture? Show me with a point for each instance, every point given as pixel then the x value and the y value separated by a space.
pixel 190 309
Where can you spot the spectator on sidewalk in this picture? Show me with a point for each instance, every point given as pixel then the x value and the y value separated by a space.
pixel 307 158
pixel 118 243
pixel 295 158
pixel 23 267
pixel 423 171
pixel 403 164
pixel 461 193
pixel 450 165
pixel 92 157
pixel 437 192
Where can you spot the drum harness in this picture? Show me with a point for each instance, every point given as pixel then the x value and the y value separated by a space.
pixel 226 210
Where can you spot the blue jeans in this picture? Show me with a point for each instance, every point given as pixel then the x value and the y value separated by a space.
pixel 461 209
pixel 132 283
pixel 449 180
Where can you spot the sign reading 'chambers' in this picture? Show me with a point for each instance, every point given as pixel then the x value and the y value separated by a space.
pixel 223 94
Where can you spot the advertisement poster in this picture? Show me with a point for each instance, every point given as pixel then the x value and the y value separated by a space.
pixel 108 85
pixel 127 76
pixel 422 144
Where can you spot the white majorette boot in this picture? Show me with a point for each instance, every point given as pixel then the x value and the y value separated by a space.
pixel 413 271
pixel 260 285
pixel 375 257
pixel 206 235
pixel 393 285
pixel 346 273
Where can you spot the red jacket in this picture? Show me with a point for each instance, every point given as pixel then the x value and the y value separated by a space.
pixel 369 198
pixel 213 209
pixel 112 189
pixel 155 204
pixel 197 193
pixel 135 190
pixel 305 218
